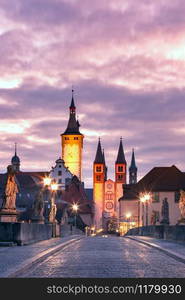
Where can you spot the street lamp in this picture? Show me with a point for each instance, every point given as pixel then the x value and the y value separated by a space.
pixel 75 208
pixel 128 216
pixel 47 181
pixel 47 194
pixel 52 186
pixel 144 199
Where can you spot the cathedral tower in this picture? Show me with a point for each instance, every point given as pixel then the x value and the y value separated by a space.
pixel 72 143
pixel 133 170
pixel 99 175
pixel 120 172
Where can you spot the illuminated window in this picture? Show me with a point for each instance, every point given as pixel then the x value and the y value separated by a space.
pixel 98 178
pixel 66 138
pixel 98 169
pixel 75 138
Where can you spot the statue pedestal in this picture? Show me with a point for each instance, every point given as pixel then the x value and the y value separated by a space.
pixel 37 219
pixel 7 215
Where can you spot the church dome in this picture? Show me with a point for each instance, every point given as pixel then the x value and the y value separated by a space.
pixel 15 159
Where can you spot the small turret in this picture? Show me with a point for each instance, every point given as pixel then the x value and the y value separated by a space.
pixel 15 161
pixel 133 170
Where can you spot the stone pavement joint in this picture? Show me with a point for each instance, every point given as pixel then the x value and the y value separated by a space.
pixel 175 255
pixel 30 262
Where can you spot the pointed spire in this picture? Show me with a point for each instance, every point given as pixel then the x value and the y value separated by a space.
pixel 133 163
pixel 72 106
pixel 15 149
pixel 121 155
pixel 73 123
pixel 99 159
pixel 15 161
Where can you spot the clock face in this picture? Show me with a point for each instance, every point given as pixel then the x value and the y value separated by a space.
pixel 109 205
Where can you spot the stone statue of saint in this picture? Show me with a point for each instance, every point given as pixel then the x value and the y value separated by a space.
pixel 38 205
pixel 165 212
pixel 10 191
pixel 182 204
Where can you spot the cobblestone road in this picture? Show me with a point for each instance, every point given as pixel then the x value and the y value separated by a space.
pixel 108 257
pixel 13 257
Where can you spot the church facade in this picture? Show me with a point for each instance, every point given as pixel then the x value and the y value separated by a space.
pixel 106 192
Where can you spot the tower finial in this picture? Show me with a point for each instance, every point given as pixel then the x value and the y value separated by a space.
pixel 72 106
pixel 15 149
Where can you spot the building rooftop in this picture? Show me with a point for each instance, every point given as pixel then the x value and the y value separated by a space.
pixel 157 180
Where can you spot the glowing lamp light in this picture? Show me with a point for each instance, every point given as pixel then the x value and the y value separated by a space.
pixel 128 215
pixel 47 181
pixel 54 187
pixel 145 198
pixel 142 199
pixel 75 207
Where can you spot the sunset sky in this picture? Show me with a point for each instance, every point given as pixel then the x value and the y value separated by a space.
pixel 126 61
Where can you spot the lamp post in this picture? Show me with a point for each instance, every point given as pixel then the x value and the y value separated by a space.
pixel 75 210
pixel 53 186
pixel 128 216
pixel 46 192
pixel 144 200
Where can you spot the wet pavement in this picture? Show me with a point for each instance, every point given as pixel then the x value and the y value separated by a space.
pixel 108 257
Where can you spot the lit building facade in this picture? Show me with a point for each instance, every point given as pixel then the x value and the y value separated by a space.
pixel 159 184
pixel 72 143
pixel 60 174
pixel 106 192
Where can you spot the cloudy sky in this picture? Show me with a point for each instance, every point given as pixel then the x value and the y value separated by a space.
pixel 126 61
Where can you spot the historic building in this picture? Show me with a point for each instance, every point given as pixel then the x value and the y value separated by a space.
pixel 106 192
pixel 60 173
pixel 72 143
pixel 141 203
pixel 67 174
